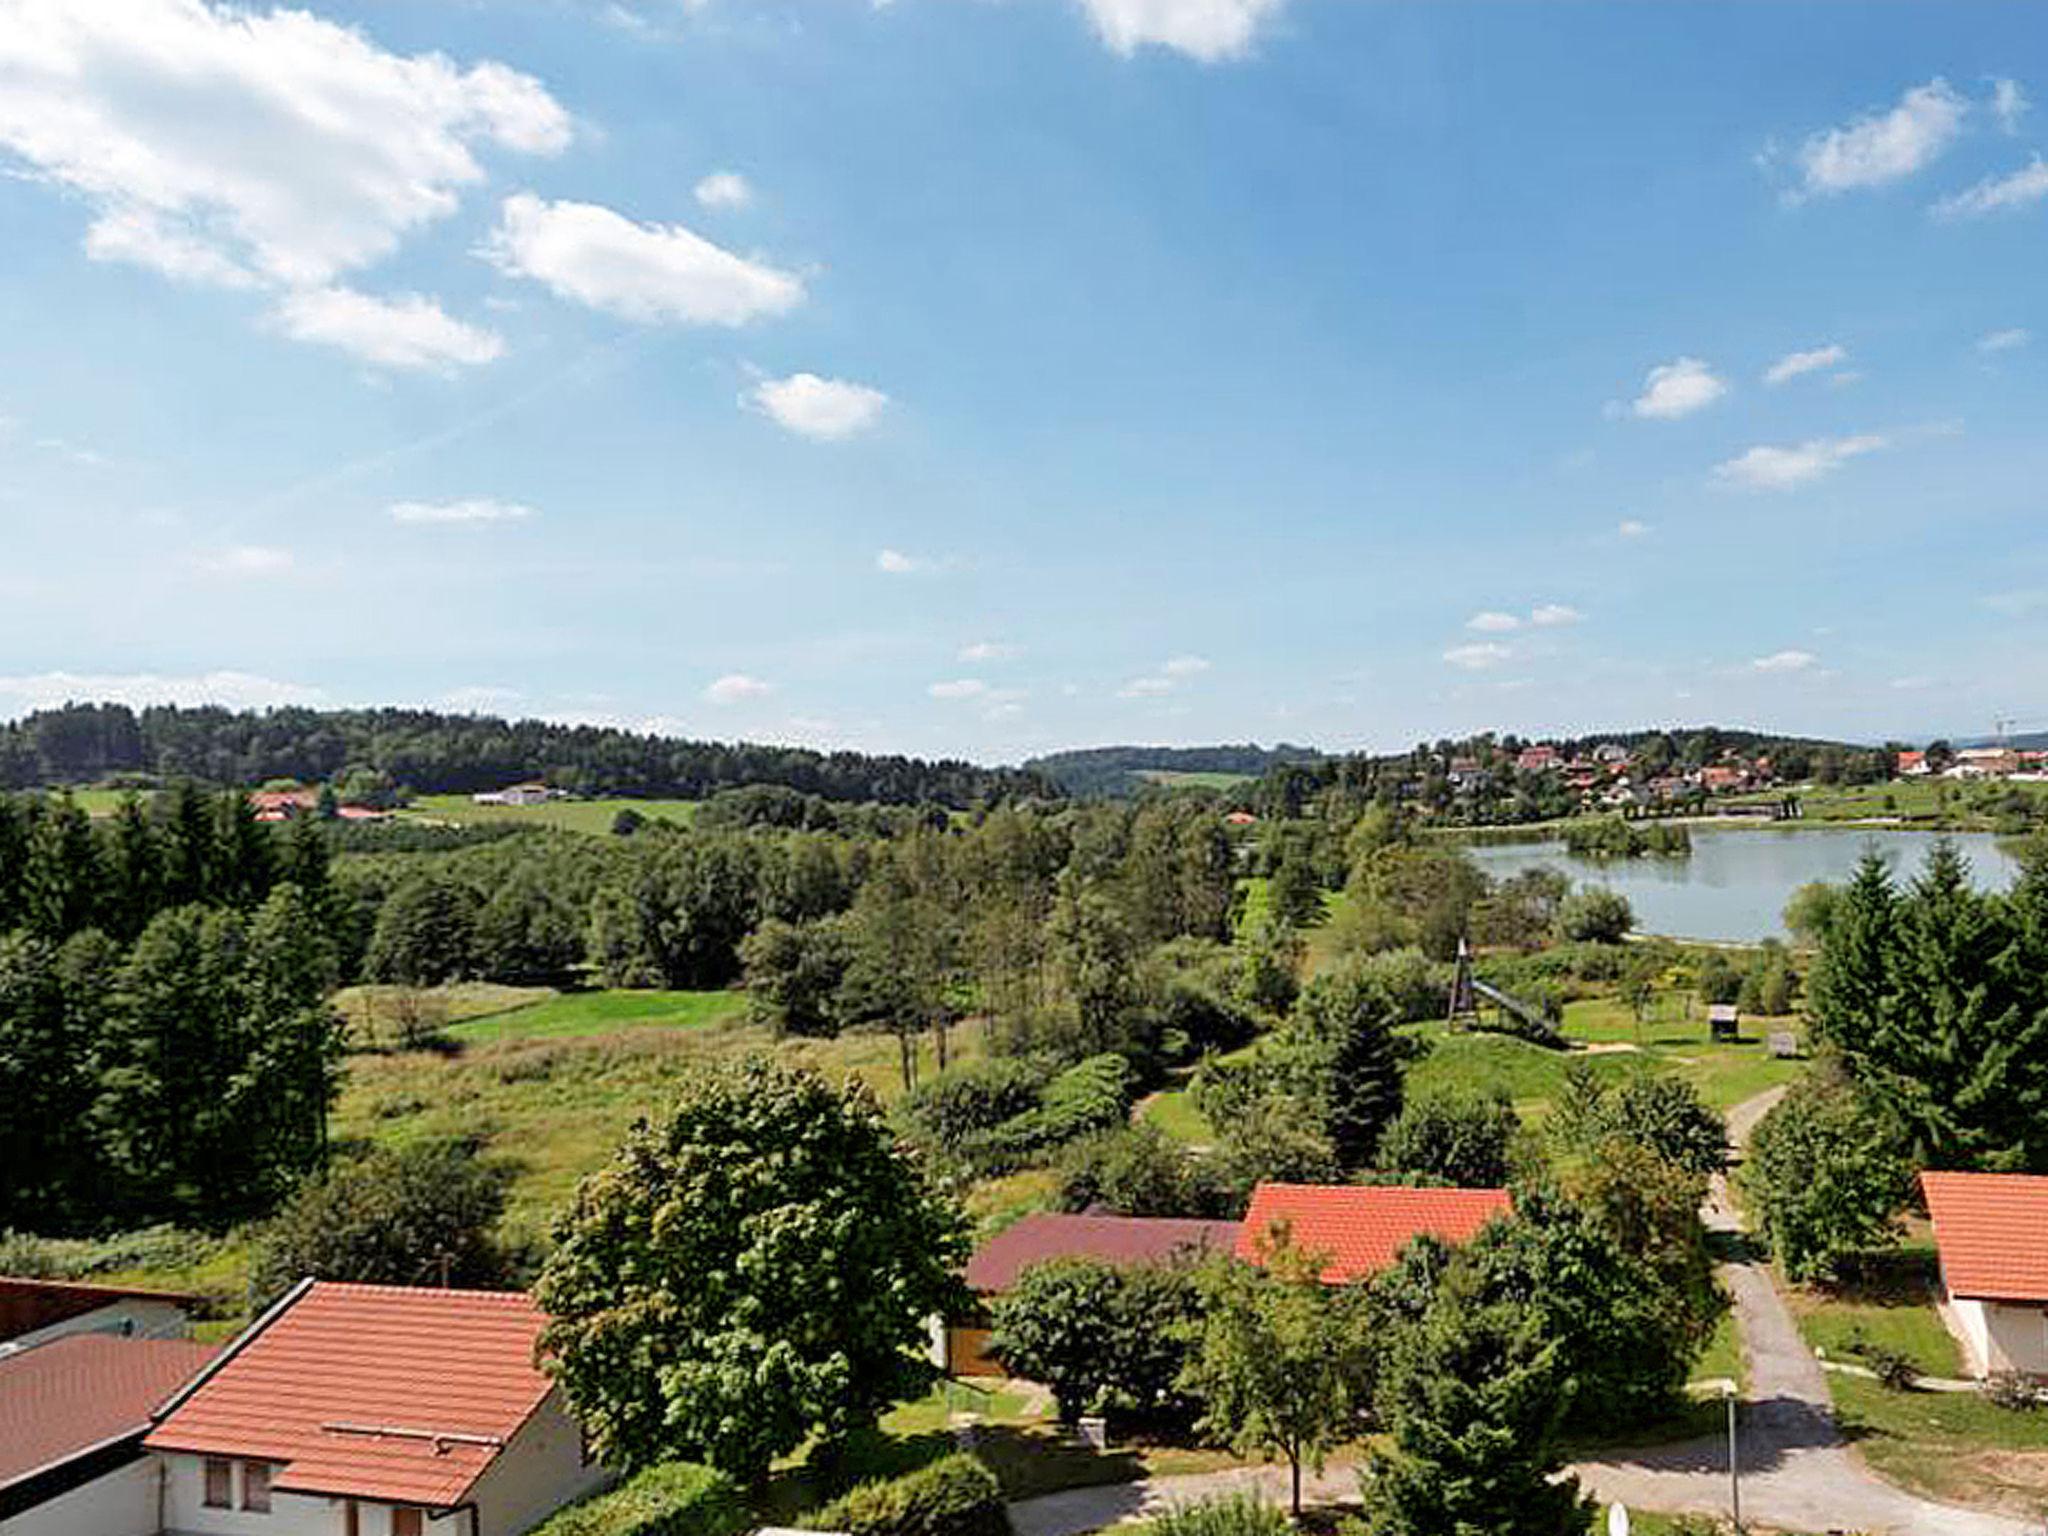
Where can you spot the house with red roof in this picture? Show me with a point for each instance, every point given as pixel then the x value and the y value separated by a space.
pixel 1360 1229
pixel 1991 1232
pixel 1044 1235
pixel 373 1410
pixel 73 1413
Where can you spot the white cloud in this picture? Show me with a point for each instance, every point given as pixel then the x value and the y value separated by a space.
pixel 1768 468
pixel 234 690
pixel 1884 147
pixel 645 272
pixel 1185 666
pixel 958 688
pixel 470 510
pixel 1793 364
pixel 1479 656
pixel 825 410
pixel 2006 340
pixel 724 189
pixel 736 688
pixel 1677 388
pixel 1632 528
pixel 478 698
pixel 1553 615
pixel 893 562
pixel 1997 194
pixel 1145 688
pixel 1492 622
pixel 247 560
pixel 410 332
pixel 220 146
pixel 1208 30
pixel 2008 104
pixel 990 650
pixel 1784 661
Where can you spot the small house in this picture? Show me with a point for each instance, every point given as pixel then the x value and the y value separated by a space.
pixel 1126 1240
pixel 1360 1229
pixel 1991 1232
pixel 35 1311
pixel 531 793
pixel 1724 1022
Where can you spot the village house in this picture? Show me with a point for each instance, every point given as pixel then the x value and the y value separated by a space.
pixel 35 1311
pixel 531 793
pixel 1911 765
pixel 1988 1231
pixel 1537 759
pixel 371 1410
pixel 283 804
pixel 1357 1230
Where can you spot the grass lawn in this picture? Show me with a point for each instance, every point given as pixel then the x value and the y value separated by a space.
pixel 1173 1112
pixel 559 1016
pixel 1893 1306
pixel 375 1014
pixel 594 816
pixel 1949 1445
pixel 1175 778
pixel 1722 1358
pixel 1926 801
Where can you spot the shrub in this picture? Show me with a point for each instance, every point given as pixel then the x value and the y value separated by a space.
pixel 1827 1171
pixel 1101 1336
pixel 1136 1171
pixel 1230 1514
pixel 949 1110
pixel 1594 914
pixel 954 1496
pixel 1088 1096
pixel 1894 1368
pixel 1462 1136
pixel 2014 1391
pixel 674 1498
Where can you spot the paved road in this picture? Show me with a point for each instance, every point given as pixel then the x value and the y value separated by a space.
pixel 1798 1473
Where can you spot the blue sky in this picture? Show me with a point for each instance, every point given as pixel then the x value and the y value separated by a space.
pixel 989 376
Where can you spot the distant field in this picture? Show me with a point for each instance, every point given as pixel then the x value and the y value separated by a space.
pixel 1174 778
pixel 596 1013
pixel 594 816
pixel 1909 800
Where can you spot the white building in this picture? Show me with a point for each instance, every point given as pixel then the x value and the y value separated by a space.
pixel 1991 1230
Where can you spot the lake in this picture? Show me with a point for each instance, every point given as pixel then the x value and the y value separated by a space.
pixel 1736 883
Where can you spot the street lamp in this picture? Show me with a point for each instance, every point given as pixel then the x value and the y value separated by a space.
pixel 1734 1461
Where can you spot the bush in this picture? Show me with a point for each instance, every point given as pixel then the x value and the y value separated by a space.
pixel 1827 1171
pixel 949 1110
pixel 1101 1336
pixel 676 1498
pixel 1894 1368
pixel 2014 1391
pixel 1462 1136
pixel 1230 1514
pixel 1088 1096
pixel 1595 915
pixel 1136 1171
pixel 954 1496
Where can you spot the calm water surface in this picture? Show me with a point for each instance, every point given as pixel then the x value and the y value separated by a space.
pixel 1736 883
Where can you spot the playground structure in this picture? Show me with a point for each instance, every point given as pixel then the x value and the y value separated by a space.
pixel 1468 993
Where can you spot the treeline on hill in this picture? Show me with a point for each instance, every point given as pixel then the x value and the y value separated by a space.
pixel 434 753
pixel 1099 773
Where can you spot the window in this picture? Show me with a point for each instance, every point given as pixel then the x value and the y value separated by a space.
pixel 405 1520
pixel 220 1483
pixel 256 1487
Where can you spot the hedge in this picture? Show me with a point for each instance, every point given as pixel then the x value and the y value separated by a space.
pixel 1088 1096
pixel 677 1498
pixel 954 1496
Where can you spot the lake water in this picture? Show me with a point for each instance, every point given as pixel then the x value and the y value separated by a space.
pixel 1736 883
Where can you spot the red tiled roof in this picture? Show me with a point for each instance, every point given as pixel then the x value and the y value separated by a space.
pixel 1361 1228
pixel 349 1386
pixel 26 1305
pixel 1992 1233
pixel 1114 1239
pixel 61 1399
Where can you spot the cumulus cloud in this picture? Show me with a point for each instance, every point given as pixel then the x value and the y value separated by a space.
pixel 1632 528
pixel 958 688
pixel 410 331
pixel 1208 30
pixel 470 510
pixel 893 562
pixel 1770 468
pixel 724 189
pixel 1479 656
pixel 1883 147
pixel 1553 615
pixel 736 688
pixel 824 410
pixel 1793 364
pixel 1678 388
pixel 651 273
pixel 247 560
pixel 1997 194
pixel 1493 622
pixel 2005 340
pixel 1784 661
pixel 139 690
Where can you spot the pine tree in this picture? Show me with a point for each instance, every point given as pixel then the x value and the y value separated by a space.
pixel 134 870
pixel 61 877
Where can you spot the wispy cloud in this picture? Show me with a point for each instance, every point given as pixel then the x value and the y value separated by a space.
pixel 1793 364
pixel 1784 661
pixel 2017 604
pixel 737 688
pixel 990 650
pixel 2008 103
pixel 1174 673
pixel 894 562
pixel 1554 615
pixel 1479 656
pixel 1997 194
pixel 1492 621
pixel 139 690
pixel 1771 468
pixel 1209 30
pixel 1632 528
pixel 724 189
pixel 2005 340
pixel 246 560
pixel 473 511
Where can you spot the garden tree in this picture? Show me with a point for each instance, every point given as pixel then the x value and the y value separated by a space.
pixel 425 933
pixel 1271 1138
pixel 1937 999
pixel 242 855
pixel 1827 1173
pixel 1473 1396
pixel 1294 892
pixel 1187 990
pixel 1594 914
pixel 1177 872
pixel 425 1215
pixel 1521 911
pixel 1656 1110
pixel 1349 1015
pixel 1135 1170
pixel 1650 1209
pixel 1459 1136
pixel 1278 1362
pixel 1426 893
pixel 186 838
pixel 1810 909
pixel 750 1270
pixel 1102 1337
pixel 794 972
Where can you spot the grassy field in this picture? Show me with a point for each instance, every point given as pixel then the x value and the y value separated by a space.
pixel 593 816
pixel 1174 778
pixel 1927 802
pixel 1948 1445
pixel 591 1013
pixel 1893 1307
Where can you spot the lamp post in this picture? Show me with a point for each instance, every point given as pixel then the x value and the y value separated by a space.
pixel 1734 1462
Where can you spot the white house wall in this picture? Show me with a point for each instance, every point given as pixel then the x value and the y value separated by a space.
pixel 1999 1336
pixel 291 1514
pixel 540 1470
pixel 122 1503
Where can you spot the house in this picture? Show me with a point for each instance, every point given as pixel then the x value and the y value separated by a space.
pixel 34 1311
pixel 1538 759
pixel 997 1264
pixel 1719 779
pixel 373 1410
pixel 1610 753
pixel 283 804
pixel 531 793
pixel 73 1411
pixel 1912 765
pixel 1360 1229
pixel 1724 1022
pixel 1991 1232
pixel 1239 819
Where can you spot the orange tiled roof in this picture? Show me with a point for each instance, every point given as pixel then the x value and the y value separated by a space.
pixel 1992 1232
pixel 1362 1228
pixel 349 1387
pixel 61 1399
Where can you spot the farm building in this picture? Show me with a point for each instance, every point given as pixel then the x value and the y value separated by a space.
pixel 373 1410
pixel 1359 1230
pixel 1989 1231
pixel 532 793
pixel 997 1264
